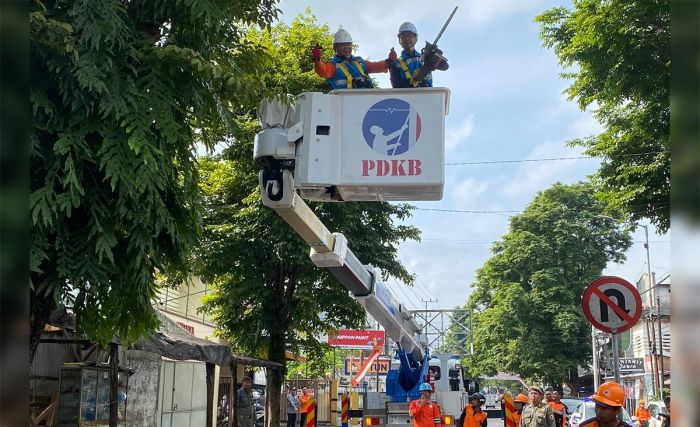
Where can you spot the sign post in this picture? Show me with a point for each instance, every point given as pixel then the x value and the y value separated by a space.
pixel 612 305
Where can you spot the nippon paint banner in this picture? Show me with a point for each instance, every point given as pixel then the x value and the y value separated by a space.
pixel 351 338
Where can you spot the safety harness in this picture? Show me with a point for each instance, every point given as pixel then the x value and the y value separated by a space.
pixel 349 77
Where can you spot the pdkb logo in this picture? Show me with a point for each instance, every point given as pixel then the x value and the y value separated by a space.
pixel 391 127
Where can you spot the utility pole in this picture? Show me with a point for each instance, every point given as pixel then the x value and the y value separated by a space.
pixel 661 348
pixel 426 301
pixel 650 280
pixel 596 371
pixel 654 379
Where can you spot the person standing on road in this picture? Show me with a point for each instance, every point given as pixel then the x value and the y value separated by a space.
pixel 518 405
pixel 560 410
pixel 548 395
pixel 537 413
pixel 292 407
pixel 473 415
pixel 245 405
pixel 304 403
pixel 643 415
pixel 608 399
pixel 424 412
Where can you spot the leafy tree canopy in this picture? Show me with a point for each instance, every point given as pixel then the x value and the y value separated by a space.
pixel 527 296
pixel 621 50
pixel 121 94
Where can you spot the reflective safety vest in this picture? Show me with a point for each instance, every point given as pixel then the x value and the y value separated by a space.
pixel 349 74
pixel 427 415
pixel 404 68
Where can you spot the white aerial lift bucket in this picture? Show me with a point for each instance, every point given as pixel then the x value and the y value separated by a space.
pixel 363 145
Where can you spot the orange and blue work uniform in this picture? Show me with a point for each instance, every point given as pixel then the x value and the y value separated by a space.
pixel 427 415
pixel 406 66
pixel 349 73
pixel 474 419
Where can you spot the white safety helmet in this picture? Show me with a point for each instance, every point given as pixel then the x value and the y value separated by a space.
pixel 407 27
pixel 342 36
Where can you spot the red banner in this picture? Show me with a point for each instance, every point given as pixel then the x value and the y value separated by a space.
pixel 350 338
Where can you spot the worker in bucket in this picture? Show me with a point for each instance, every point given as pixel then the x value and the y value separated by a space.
pixel 345 71
pixel 406 66
pixel 424 412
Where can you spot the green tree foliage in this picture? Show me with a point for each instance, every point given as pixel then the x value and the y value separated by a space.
pixel 121 94
pixel 320 365
pixel 527 296
pixel 270 296
pixel 621 52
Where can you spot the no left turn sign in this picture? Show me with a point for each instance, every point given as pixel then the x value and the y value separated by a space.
pixel 612 304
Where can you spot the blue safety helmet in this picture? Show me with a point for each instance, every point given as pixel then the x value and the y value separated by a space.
pixel 425 387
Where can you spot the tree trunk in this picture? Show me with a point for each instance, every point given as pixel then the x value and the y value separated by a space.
pixel 573 380
pixel 272 405
pixel 113 384
pixel 40 312
pixel 210 367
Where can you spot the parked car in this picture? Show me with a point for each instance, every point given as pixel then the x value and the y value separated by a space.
pixel 586 410
pixel 571 404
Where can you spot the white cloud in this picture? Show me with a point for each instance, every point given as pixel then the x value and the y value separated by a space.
pixel 455 136
pixel 532 177
pixel 484 11
pixel 468 194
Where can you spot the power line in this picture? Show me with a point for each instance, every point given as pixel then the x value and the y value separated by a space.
pixel 418 281
pixel 550 159
pixel 465 211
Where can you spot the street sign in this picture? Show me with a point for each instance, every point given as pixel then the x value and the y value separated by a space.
pixel 631 365
pixel 612 304
pixel 380 366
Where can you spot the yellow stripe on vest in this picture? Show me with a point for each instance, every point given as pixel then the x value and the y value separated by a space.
pixel 345 71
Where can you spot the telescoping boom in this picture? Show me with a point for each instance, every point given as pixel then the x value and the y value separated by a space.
pixel 316 126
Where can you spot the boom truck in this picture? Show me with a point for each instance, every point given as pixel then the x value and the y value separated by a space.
pixel 363 145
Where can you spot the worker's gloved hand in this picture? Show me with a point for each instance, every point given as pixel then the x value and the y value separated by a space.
pixel 393 56
pixel 316 53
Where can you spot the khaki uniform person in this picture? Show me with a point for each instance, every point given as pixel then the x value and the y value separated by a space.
pixel 245 405
pixel 537 413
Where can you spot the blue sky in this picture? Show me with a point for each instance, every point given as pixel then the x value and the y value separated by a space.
pixel 506 104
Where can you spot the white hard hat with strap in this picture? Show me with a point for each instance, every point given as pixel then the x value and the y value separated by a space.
pixel 342 36
pixel 408 27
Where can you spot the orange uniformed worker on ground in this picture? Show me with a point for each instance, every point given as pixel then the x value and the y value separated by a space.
pixel 608 399
pixel 424 412
pixel 304 402
pixel 642 413
pixel 518 404
pixel 560 410
pixel 472 414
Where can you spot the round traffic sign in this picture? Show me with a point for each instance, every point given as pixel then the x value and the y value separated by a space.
pixel 612 304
